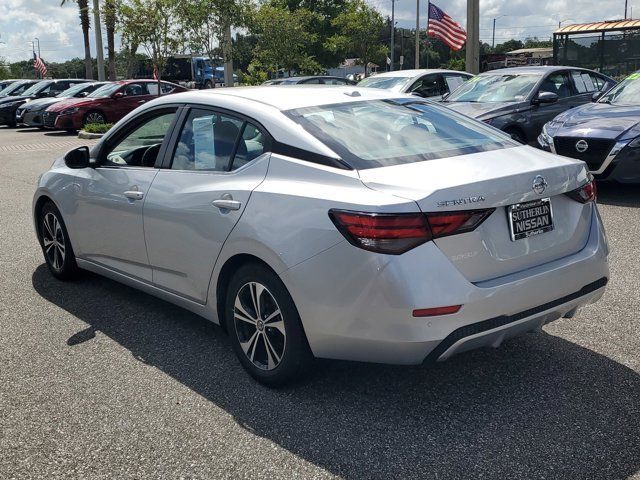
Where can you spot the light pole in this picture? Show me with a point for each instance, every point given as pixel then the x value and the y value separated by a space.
pixel 393 32
pixel 493 37
pixel 560 22
pixel 98 31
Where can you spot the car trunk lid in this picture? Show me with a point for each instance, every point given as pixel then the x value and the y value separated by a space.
pixel 497 179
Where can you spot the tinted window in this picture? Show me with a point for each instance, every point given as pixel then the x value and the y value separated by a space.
pixel 557 83
pixel 312 81
pixel 207 142
pixel 335 81
pixel 141 146
pixel 379 133
pixel 135 89
pixel 427 86
pixel 251 145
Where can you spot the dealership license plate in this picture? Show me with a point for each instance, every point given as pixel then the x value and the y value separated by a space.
pixel 530 218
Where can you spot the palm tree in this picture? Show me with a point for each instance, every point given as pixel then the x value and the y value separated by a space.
pixel 110 25
pixel 83 7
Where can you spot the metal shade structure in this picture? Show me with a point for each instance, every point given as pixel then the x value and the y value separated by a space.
pixel 611 47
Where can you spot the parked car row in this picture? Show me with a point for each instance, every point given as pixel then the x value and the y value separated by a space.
pixel 70 104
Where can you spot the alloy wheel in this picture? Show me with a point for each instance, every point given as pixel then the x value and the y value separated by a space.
pixel 94 117
pixel 53 241
pixel 259 326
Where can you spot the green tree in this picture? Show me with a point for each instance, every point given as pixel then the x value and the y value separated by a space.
pixel 321 26
pixel 109 10
pixel 205 23
pixel 508 46
pixel 4 69
pixel 358 34
pixel 149 23
pixel 85 23
pixel 284 39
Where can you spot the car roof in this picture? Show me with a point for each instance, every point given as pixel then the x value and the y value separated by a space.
pixel 308 77
pixel 286 98
pixel 539 69
pixel 416 72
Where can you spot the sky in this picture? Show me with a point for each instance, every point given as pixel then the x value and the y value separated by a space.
pixel 58 28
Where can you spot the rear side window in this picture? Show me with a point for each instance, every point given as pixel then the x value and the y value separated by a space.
pixel 584 82
pixel 216 142
pixel 379 133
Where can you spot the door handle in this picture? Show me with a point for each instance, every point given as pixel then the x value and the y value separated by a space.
pixel 226 202
pixel 141 101
pixel 134 195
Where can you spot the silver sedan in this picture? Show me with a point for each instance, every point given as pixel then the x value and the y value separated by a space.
pixel 342 223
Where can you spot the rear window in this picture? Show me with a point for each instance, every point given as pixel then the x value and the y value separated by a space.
pixel 380 133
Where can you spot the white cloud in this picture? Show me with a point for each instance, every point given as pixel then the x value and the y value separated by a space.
pixel 58 28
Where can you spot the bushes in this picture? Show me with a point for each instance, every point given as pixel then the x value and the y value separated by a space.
pixel 97 127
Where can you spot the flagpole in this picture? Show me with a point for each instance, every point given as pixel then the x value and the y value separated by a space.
pixel 417 62
pixel 426 45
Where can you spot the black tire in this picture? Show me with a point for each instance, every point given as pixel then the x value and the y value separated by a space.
pixel 59 256
pixel 516 135
pixel 208 84
pixel 93 116
pixel 292 345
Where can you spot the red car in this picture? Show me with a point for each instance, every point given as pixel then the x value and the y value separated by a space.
pixel 107 104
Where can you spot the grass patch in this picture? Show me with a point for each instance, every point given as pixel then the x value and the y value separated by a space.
pixel 97 127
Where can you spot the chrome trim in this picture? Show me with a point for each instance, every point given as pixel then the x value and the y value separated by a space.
pixel 615 150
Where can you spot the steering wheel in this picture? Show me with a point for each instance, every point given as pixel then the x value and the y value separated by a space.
pixel 150 155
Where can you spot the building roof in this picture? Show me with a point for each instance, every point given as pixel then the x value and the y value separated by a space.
pixel 520 51
pixel 598 26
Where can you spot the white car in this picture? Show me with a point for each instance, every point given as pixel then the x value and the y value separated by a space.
pixel 426 83
pixel 340 223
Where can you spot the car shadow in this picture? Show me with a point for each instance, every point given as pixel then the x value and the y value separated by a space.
pixel 538 407
pixel 619 194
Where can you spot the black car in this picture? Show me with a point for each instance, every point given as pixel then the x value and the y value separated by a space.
pixel 604 134
pixel 5 83
pixel 38 89
pixel 312 80
pixel 519 101
pixel 14 89
pixel 31 113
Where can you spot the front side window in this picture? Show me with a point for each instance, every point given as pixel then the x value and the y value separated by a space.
pixel 135 89
pixel 427 86
pixel 557 83
pixel 41 87
pixel 380 133
pixel 140 147
pixel 495 88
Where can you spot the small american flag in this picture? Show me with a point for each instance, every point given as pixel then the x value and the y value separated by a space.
pixel 445 28
pixel 39 65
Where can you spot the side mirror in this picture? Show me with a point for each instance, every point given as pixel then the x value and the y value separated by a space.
pixel 77 158
pixel 444 97
pixel 42 94
pixel 118 95
pixel 545 97
pixel 82 94
pixel 596 96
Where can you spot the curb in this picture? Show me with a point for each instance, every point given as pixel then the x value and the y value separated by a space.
pixel 89 136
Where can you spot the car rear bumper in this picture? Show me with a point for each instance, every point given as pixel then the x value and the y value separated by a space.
pixel 355 305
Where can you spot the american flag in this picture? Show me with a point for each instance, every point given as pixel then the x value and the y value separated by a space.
pixel 39 65
pixel 445 28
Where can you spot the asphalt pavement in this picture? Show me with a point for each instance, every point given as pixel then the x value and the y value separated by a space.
pixel 98 380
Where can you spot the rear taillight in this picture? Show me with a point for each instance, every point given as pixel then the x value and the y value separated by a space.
pixel 586 193
pixel 397 233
